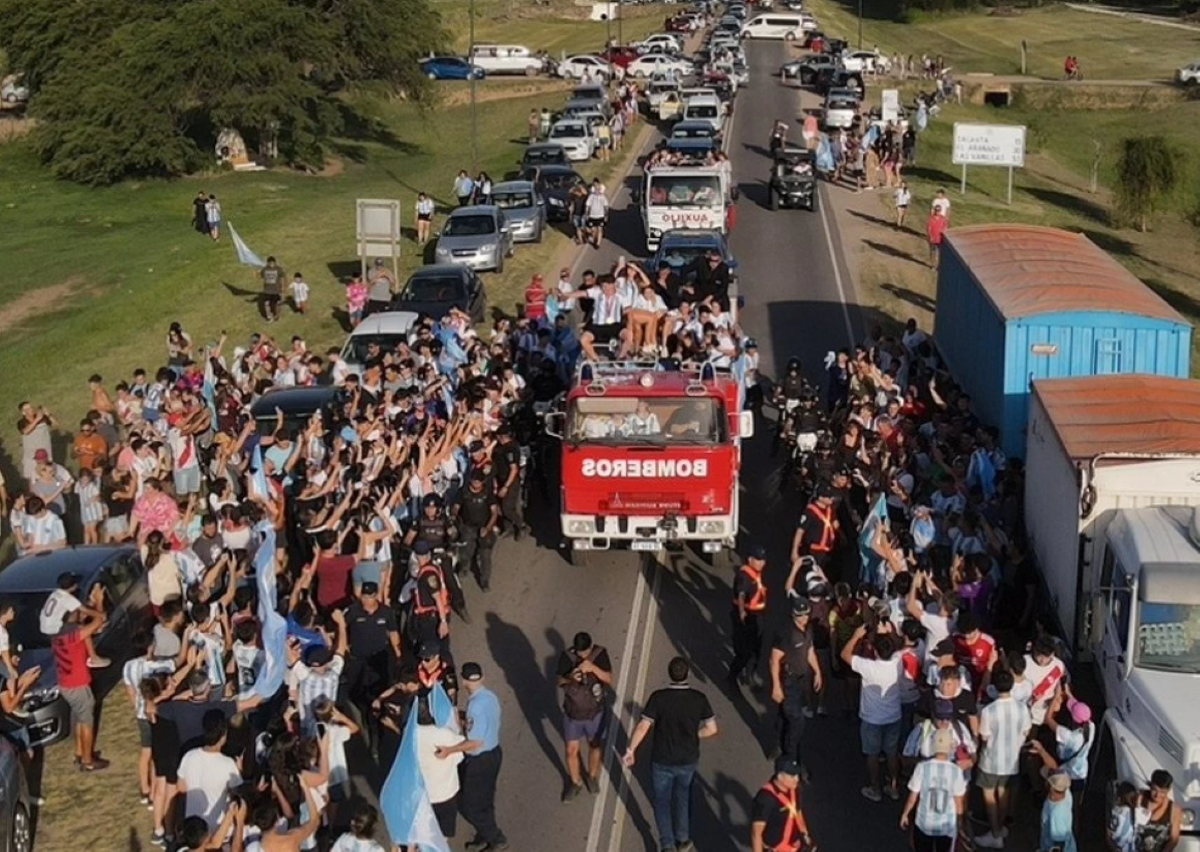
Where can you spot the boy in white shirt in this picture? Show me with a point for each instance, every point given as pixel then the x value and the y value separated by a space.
pixel 299 288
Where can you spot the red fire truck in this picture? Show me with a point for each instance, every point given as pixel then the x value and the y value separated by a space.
pixel 650 456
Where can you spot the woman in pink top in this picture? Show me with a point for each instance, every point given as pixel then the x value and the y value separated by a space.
pixel 154 510
pixel 356 299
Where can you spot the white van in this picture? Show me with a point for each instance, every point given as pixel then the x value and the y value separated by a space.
pixel 506 59
pixel 707 108
pixel 784 25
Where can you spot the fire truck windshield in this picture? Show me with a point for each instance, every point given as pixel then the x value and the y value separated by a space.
pixel 646 420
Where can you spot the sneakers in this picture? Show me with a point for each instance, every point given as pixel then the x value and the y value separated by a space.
pixel 98 764
pixel 871 794
pixel 498 846
pixel 686 846
pixel 572 793
pixel 893 792
pixel 99 662
pixel 809 713
pixel 989 841
pixel 158 839
pixel 476 845
pixel 592 784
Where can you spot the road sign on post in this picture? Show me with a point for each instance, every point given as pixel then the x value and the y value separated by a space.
pixel 378 231
pixel 989 145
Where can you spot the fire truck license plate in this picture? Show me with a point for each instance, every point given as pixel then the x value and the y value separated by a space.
pixel 645 545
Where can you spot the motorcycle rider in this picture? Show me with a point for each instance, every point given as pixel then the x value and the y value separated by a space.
pixel 787 394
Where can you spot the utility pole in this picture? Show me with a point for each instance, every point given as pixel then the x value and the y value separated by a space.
pixel 608 38
pixel 860 11
pixel 620 35
pixel 474 121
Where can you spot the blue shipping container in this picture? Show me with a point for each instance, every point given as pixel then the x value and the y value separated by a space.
pixel 1017 303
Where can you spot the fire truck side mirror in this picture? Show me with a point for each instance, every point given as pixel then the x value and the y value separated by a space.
pixel 554 424
pixel 746 424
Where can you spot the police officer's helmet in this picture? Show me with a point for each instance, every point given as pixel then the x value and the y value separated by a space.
pixel 793 365
pixel 431 500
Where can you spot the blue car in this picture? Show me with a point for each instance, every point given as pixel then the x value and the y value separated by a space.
pixel 451 68
pixel 680 247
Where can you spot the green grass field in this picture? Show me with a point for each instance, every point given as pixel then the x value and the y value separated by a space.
pixel 1109 48
pixel 93 277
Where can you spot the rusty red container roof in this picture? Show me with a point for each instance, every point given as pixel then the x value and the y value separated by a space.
pixel 1134 414
pixel 1027 270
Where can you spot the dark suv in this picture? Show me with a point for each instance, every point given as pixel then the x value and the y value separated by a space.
pixel 27 583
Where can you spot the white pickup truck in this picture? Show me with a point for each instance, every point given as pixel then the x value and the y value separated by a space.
pixel 675 197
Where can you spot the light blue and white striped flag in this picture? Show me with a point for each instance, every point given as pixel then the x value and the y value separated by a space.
pixel 272 624
pixel 258 474
pixel 404 800
pixel 246 255
pixel 872 562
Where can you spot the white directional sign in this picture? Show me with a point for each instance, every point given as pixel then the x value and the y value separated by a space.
pixel 989 145
pixel 891 105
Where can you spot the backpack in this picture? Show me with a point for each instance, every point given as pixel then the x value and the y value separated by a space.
pixel 583 699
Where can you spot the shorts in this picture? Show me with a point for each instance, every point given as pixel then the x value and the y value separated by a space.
pixel 578 221
pixel 116 527
pixel 604 334
pixel 595 223
pixel 272 299
pixel 424 217
pixel 991 781
pixel 144 733
pixel 82 704
pixel 187 480
pixel 592 730
pixel 605 143
pixel 880 739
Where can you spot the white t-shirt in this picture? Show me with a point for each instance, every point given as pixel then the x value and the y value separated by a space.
pixel 903 196
pixel 55 609
pixel 299 290
pixel 44 530
pixel 183 450
pixel 209 776
pixel 606 310
pixel 879 702
pixel 653 304
pixel 339 771
pixel 937 628
pixel 441 776
pixel 942 204
pixel 1035 674
pixel 349 843
pixel 597 206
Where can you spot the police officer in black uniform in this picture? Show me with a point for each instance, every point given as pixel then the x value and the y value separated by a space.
pixel 433 526
pixel 749 605
pixel 477 512
pixel 435 666
pixel 777 823
pixel 481 461
pixel 817 529
pixel 429 615
pixel 507 458
pixel 794 672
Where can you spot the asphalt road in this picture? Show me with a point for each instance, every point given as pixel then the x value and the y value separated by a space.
pixel 799 302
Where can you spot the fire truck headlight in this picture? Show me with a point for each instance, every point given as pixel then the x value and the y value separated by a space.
pixel 711 527
pixel 581 526
pixel 1188 818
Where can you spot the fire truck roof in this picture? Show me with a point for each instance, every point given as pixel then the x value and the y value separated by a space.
pixel 637 378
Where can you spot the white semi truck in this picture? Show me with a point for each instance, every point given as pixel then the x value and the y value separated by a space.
pixel 1112 486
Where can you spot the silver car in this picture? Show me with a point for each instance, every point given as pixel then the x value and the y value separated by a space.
pixel 479 237
pixel 524 208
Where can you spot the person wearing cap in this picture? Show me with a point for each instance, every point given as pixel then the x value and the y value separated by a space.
pixel 679 717
pixel 482 757
pixel 584 675
pixel 919 744
pixel 34 425
pixel 317 672
pixel 373 642
pixel 795 672
pixel 507 458
pixel 477 512
pixel 429 619
pixel 382 284
pixel 1058 815
pixel 817 529
pixel 777 823
pixel 749 605
pixel 1074 732
pixel 1003 727
pixel 433 527
pixel 434 666
pixel 937 790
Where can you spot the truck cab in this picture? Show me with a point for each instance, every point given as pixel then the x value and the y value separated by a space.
pixel 672 197
pixel 650 456
pixel 1145 634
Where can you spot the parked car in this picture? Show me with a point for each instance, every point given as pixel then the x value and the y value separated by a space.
pixel 806 67
pixel 705 108
pixel 16 805
pixel 827 79
pixel 554 184
pixel 477 236
pixel 649 65
pixel 28 582
pixel 525 209
pixel 376 334
pixel 436 288
pixel 14 92
pixel 450 68
pixel 542 154
pixel 507 59
pixel 576 138
pixel 584 65
pixel 862 61
pixel 839 113
pixel 299 404
pixel 668 40
pixel 1188 75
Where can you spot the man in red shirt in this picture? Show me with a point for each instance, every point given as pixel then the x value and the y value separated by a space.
pixel 333 571
pixel 75 680
pixel 975 650
pixel 935 230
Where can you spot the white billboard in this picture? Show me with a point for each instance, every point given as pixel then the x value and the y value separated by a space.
pixel 891 105
pixel 989 145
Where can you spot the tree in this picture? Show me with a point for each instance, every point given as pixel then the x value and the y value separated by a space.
pixel 1148 171
pixel 127 88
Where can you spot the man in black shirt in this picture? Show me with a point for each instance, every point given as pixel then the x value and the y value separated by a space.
pixel 794 672
pixel 477 511
pixel 680 717
pixel 507 458
pixel 776 821
pixel 374 639
pixel 710 276
pixel 208 544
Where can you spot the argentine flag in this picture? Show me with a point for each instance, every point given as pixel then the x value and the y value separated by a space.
pixel 258 474
pixel 404 801
pixel 245 254
pixel 271 623
pixel 872 562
